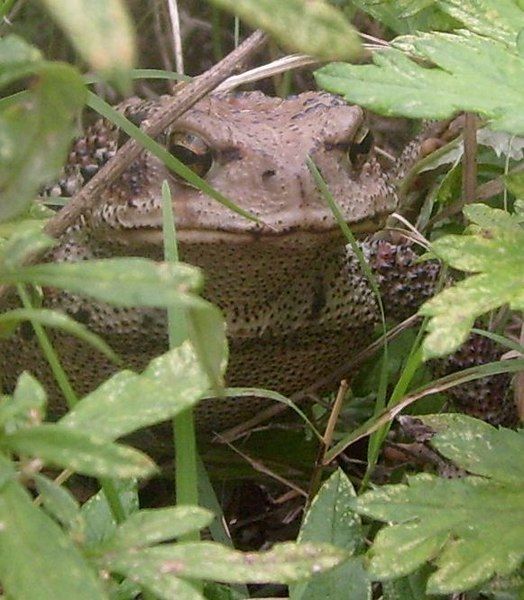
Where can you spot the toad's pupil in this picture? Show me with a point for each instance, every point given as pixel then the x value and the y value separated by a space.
pixel 199 163
pixel 360 149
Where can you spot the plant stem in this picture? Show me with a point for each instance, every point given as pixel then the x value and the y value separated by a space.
pixel 66 388
pixel 50 354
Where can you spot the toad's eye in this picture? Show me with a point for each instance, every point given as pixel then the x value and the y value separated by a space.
pixel 191 150
pixel 360 147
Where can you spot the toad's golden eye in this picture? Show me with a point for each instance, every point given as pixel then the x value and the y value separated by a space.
pixel 191 150
pixel 360 147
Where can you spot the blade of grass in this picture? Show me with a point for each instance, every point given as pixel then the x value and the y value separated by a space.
pixel 375 440
pixel 49 352
pixel 444 383
pixel 186 479
pixel 500 339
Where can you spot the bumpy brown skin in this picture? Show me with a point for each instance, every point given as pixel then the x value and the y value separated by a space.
pixel 295 300
pixel 294 304
pixel 404 284
pixel 489 398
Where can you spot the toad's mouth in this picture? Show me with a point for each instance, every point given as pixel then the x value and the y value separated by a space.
pixel 286 237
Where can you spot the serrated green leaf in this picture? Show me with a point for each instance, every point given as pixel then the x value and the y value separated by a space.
pixel 81 452
pixel 100 30
pixel 37 560
pixel 496 255
pixel 474 525
pixel 126 402
pixel 57 320
pixel 498 19
pixel 318 28
pixel 479 448
pixel 491 219
pixel 148 527
pixel 35 134
pixel 120 281
pixel 468 64
pixel 330 519
pixel 284 563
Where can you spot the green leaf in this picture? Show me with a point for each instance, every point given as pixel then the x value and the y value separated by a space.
pixel 81 452
pixel 406 16
pixel 37 560
pixel 216 591
pixel 164 586
pixel 496 255
pixel 473 524
pixel 318 28
pixel 119 281
pixel 479 448
pixel 208 335
pixel 100 30
pixel 97 515
pixel 26 405
pixel 467 65
pixel 126 402
pixel 330 519
pixel 24 241
pixel 284 563
pixel 17 59
pixel 7 471
pixel 35 134
pixel 412 587
pixel 148 527
pixel 57 320
pixel 515 184
pixel 60 504
pixel 498 19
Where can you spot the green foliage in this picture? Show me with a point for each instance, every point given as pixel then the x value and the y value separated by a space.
pixel 81 452
pixel 101 31
pixel 443 536
pixel 318 28
pixel 37 561
pixel 135 547
pixel 330 520
pixel 57 320
pixel 287 563
pixel 35 131
pixel 120 281
pixel 406 16
pixel 474 525
pixel 467 66
pixel 117 407
pixel 494 251
pixel 148 527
